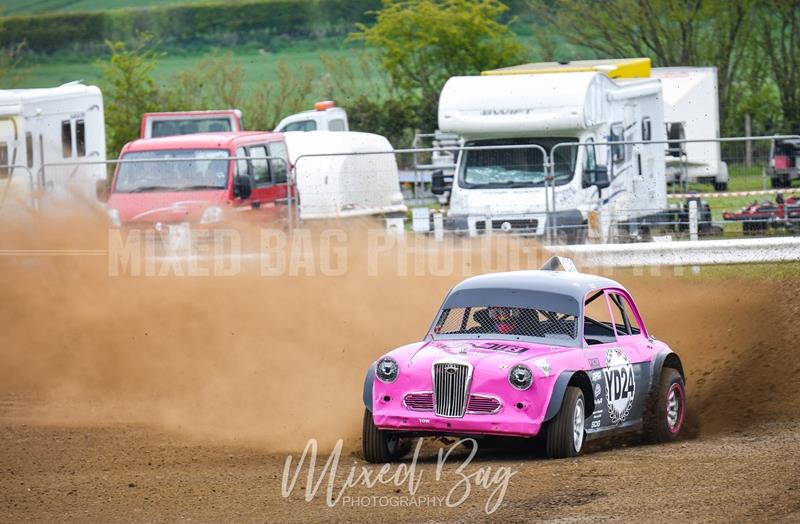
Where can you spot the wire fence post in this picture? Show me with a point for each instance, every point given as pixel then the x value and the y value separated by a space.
pixel 438 227
pixel 11 169
pixel 552 220
pixel 290 195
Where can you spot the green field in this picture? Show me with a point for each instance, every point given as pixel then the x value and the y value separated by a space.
pixel 258 65
pixel 774 271
pixel 18 7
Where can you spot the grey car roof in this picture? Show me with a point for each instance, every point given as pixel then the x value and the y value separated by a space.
pixel 572 284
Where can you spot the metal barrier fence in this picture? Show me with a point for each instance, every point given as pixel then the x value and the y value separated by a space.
pixel 571 192
pixel 9 172
pixel 266 184
pixel 562 191
pixel 690 253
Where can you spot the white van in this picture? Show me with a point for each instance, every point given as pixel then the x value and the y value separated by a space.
pixel 351 178
pixel 539 106
pixel 59 125
pixel 324 117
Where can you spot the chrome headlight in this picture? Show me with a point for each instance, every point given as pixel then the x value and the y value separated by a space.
pixel 387 370
pixel 520 377
pixel 113 216
pixel 211 215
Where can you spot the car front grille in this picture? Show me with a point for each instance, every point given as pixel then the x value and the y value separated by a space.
pixel 450 385
pixel 419 401
pixel 481 404
pixel 476 405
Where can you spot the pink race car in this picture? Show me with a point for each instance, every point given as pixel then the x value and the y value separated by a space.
pixel 557 354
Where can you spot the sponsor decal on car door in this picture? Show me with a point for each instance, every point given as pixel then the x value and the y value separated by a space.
pixel 619 377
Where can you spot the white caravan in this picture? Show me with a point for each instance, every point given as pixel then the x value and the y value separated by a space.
pixel 324 117
pixel 351 178
pixel 59 125
pixel 691 112
pixel 505 188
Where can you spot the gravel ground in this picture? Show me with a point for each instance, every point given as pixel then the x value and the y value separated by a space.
pixel 134 473
pixel 158 399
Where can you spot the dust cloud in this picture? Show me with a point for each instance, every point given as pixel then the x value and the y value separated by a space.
pixel 274 361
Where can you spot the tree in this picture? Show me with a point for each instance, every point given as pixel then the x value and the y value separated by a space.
pixel 129 90
pixel 422 43
pixel 672 32
pixel 779 38
pixel 287 93
pixel 373 102
pixel 11 74
pixel 216 82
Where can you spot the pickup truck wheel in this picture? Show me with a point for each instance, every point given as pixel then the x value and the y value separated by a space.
pixel 565 432
pixel 720 186
pixel 379 446
pixel 666 409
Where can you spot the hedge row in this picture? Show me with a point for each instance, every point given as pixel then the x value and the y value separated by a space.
pixel 186 24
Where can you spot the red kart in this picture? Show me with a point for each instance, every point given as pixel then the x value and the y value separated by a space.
pixel 759 216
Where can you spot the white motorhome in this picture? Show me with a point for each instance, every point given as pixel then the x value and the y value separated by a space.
pixel 59 125
pixel 350 178
pixel 691 112
pixel 324 117
pixel 539 106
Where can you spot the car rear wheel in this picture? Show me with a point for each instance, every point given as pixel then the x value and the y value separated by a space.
pixel 565 432
pixel 666 410
pixel 379 446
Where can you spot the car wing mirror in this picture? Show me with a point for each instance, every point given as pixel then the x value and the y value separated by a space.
pixel 242 187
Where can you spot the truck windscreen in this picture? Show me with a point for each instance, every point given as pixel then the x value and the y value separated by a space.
pixel 523 167
pixel 189 126
pixel 180 170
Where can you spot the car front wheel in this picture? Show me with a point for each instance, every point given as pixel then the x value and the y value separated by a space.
pixel 565 432
pixel 379 446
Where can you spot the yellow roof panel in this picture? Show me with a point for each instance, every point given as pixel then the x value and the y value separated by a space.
pixel 613 67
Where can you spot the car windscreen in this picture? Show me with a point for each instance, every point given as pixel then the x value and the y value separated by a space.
pixel 179 170
pixel 523 167
pixel 552 327
pixel 189 126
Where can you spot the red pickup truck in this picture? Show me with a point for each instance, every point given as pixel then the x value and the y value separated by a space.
pixel 199 179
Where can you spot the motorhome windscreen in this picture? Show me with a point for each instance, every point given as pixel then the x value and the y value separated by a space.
pixel 180 170
pixel 517 167
pixel 189 126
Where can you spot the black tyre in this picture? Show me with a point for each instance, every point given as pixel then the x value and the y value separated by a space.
pixel 379 446
pixel 720 186
pixel 666 408
pixel 565 432
pixel 780 182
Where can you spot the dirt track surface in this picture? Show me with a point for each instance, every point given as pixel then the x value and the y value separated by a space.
pixel 131 473
pixel 163 399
